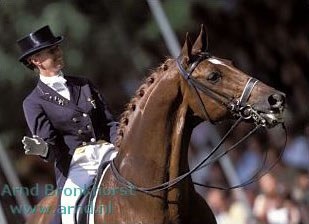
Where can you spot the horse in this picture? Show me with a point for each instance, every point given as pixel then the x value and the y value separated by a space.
pixel 150 176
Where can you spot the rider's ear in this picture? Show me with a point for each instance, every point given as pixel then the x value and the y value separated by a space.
pixel 201 43
pixel 186 54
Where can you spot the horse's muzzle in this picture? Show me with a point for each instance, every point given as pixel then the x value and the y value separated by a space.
pixel 274 116
pixel 276 101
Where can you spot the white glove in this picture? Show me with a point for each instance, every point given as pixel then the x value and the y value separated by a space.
pixel 35 146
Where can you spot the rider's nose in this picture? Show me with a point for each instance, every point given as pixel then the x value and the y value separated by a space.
pixel 276 100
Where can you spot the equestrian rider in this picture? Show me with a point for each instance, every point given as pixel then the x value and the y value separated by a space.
pixel 70 123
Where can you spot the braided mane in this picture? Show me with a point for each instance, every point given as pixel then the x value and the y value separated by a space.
pixel 131 106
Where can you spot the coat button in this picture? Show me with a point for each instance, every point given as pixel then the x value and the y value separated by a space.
pixel 84 143
pixel 89 127
pixel 80 131
pixel 74 119
pixel 92 140
pixel 85 115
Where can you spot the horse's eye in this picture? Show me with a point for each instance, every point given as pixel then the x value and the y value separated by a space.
pixel 214 77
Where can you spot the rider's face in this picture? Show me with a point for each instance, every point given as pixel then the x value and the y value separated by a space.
pixel 49 61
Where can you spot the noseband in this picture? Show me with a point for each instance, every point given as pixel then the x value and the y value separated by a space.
pixel 238 107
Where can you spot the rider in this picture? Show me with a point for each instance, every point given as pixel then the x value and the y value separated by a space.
pixel 69 120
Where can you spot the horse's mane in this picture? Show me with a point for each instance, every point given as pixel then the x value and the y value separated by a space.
pixel 131 106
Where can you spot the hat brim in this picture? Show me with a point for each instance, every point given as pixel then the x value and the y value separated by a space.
pixel 56 41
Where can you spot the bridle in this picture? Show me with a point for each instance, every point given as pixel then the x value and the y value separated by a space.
pixel 239 108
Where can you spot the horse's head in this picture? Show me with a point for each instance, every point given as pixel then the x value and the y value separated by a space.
pixel 215 89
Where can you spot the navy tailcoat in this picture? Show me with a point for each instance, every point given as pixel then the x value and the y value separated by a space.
pixel 66 124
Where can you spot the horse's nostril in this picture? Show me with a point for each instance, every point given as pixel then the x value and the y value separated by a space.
pixel 276 100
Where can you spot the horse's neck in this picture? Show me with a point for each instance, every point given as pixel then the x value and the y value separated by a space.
pixel 154 146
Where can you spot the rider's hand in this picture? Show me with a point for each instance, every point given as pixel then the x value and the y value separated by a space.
pixel 35 146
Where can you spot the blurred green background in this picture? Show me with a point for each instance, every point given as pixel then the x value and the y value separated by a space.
pixel 116 44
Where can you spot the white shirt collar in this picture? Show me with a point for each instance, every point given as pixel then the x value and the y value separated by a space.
pixel 50 80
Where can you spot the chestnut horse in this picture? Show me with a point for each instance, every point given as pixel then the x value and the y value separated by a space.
pixel 150 176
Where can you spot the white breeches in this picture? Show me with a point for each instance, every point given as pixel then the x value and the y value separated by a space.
pixel 83 169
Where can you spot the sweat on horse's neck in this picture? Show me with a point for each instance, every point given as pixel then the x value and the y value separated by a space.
pixel 154 147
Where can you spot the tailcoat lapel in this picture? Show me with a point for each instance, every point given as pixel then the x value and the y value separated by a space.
pixel 52 96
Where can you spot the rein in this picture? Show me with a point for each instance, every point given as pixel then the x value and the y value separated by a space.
pixel 238 107
pixel 257 175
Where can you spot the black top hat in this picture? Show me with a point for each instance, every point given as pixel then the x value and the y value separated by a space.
pixel 35 42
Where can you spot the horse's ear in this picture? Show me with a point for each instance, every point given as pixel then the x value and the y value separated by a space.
pixel 201 43
pixel 186 52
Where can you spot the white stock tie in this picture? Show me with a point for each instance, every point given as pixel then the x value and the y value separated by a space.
pixel 60 86
pixel 57 83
